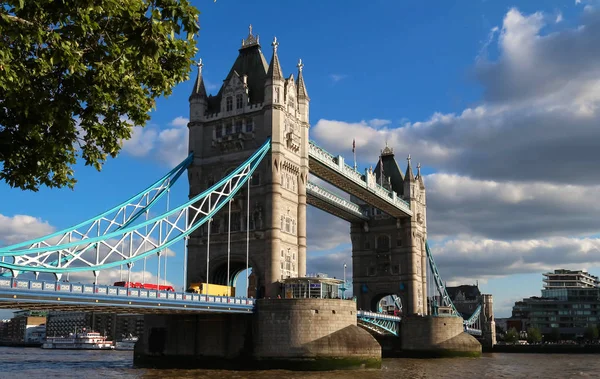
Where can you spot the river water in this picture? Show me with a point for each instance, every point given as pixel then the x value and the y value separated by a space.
pixel 32 363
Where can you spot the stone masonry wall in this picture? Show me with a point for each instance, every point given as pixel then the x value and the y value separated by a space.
pixel 296 328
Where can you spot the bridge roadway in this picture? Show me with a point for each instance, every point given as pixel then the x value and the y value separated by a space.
pixel 334 204
pixel 35 294
pixel 332 169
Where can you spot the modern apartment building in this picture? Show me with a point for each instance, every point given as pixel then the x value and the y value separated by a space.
pixel 570 301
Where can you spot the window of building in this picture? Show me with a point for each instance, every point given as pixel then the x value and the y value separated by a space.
pixel 238 126
pixel 288 226
pixel 249 125
pixel 238 102
pixel 229 103
pixel 277 95
pixel 383 242
pixel 235 221
pixel 215 226
pixel 255 180
pixel 218 131
pixel 210 181
pixel 228 128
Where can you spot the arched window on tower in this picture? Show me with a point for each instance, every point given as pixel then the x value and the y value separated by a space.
pixel 383 242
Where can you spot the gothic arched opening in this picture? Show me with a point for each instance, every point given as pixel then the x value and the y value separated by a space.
pixel 389 303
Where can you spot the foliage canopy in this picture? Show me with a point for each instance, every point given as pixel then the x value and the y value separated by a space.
pixel 76 75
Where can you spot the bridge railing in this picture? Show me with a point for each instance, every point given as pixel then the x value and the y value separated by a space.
pixel 379 316
pixel 112 291
pixel 338 164
pixel 337 199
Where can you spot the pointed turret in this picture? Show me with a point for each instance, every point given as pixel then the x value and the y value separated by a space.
pixel 419 176
pixel 409 176
pixel 199 90
pixel 274 71
pixel 198 99
pixel 302 94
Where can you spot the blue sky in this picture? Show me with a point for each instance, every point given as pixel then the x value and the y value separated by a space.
pixel 478 91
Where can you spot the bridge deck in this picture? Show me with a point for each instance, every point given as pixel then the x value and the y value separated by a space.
pixel 33 294
pixel 333 204
pixel 333 170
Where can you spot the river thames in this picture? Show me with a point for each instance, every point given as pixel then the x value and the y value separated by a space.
pixel 32 363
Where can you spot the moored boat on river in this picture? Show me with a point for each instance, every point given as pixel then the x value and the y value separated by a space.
pixel 79 341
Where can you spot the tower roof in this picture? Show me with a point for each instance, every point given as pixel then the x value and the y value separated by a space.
pixel 199 90
pixel 250 62
pixel 302 94
pixel 390 170
pixel 274 71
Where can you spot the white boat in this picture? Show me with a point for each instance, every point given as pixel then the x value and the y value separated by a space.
pixel 126 343
pixel 79 341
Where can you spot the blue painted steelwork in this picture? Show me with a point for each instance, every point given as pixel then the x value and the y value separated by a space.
pixel 468 324
pixel 17 291
pixel 161 186
pixel 193 215
pixel 388 323
pixel 446 301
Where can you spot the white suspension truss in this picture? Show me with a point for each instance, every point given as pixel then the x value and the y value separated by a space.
pixel 131 241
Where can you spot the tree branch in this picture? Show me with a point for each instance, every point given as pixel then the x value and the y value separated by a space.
pixel 19 20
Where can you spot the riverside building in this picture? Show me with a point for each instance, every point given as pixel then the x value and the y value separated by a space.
pixel 570 302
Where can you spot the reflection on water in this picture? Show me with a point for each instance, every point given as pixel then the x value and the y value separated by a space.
pixel 37 363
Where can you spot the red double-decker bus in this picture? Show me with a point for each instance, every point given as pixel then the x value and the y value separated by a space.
pixel 147 286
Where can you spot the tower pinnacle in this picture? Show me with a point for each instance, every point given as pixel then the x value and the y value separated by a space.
pixel 409 172
pixel 274 71
pixel 302 93
pixel 199 89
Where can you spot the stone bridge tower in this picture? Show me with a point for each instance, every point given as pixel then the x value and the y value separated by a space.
pixel 255 102
pixel 388 254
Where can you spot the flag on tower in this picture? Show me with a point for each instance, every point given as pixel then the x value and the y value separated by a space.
pixel 353 145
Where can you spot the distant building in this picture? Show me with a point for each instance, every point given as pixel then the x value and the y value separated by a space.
pixel 114 326
pixel 570 301
pixel 27 327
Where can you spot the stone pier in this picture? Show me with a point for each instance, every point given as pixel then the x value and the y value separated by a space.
pixel 433 336
pixel 296 334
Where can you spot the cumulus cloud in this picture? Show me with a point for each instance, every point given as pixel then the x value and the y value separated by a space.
pixel 485 258
pixel 18 228
pixel 514 188
pixel 509 210
pixel 537 120
pixel 167 145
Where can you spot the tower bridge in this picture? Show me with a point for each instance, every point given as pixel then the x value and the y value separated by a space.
pixel 248 169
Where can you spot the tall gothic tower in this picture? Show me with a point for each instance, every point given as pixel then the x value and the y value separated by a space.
pixel 255 102
pixel 388 254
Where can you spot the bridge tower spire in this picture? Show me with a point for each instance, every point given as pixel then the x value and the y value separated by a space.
pixel 254 103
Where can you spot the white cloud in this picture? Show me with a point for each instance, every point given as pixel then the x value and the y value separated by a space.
pixel 167 145
pixel 468 257
pixel 516 185
pixel 20 228
pixel 337 77
pixel 537 121
pixel 559 17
